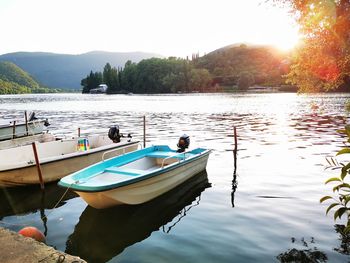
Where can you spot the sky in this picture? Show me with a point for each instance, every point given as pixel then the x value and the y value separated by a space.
pixel 166 27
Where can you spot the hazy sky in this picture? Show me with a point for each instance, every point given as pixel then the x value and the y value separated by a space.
pixel 170 28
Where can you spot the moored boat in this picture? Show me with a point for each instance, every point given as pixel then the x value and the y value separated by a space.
pixel 136 177
pixel 42 137
pixel 57 158
pixel 15 129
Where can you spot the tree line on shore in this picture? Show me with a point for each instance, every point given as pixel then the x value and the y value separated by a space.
pixel 236 66
pixel 155 75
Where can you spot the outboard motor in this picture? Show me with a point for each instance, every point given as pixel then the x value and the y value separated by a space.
pixel 129 137
pixel 32 116
pixel 46 123
pixel 183 143
pixel 114 134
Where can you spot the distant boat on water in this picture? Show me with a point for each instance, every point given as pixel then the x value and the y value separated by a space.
pixel 102 88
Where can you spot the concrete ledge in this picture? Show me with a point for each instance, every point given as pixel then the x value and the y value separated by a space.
pixel 17 248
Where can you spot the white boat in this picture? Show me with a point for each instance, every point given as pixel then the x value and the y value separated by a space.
pixel 133 223
pixel 136 177
pixel 15 129
pixel 42 137
pixel 57 158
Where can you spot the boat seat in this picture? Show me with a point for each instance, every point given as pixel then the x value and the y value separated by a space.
pixel 164 155
pixel 123 170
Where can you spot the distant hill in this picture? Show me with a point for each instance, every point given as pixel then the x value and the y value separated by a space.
pixel 264 64
pixel 9 72
pixel 66 71
pixel 14 80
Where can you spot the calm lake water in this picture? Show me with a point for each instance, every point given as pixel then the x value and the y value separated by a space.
pixel 270 213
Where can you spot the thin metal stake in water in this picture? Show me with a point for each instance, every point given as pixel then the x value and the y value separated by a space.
pixel 144 131
pixel 38 166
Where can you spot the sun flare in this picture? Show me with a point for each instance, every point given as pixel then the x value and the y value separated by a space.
pixel 287 41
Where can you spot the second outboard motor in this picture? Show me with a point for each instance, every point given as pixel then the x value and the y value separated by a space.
pixel 46 123
pixel 114 134
pixel 183 143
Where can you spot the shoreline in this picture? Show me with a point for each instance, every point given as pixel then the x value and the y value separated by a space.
pixel 17 248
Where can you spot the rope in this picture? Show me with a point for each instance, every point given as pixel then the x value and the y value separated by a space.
pixel 59 201
pixel 44 217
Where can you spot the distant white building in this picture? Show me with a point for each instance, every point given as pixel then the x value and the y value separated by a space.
pixel 102 88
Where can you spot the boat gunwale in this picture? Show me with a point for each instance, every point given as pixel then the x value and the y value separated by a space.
pixel 69 156
pixel 10 125
pixel 98 189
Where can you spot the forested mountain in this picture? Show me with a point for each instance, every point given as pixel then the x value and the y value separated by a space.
pixel 232 67
pixel 14 80
pixel 262 64
pixel 66 71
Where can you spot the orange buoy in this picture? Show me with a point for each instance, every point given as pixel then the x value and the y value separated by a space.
pixel 32 232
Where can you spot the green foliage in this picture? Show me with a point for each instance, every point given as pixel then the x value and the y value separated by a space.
pixel 7 87
pixel 265 64
pixel 13 80
pixel 9 72
pixel 340 203
pixel 153 75
pixel 91 81
pixel 245 80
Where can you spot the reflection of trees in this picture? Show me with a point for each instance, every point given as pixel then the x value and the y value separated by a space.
pixel 306 255
pixel 344 238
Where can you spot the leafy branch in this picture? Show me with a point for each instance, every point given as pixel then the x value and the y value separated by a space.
pixel 340 203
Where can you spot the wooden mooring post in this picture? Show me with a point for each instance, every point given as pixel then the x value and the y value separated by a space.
pixel 14 130
pixel 38 167
pixel 78 132
pixel 234 180
pixel 26 120
pixel 235 138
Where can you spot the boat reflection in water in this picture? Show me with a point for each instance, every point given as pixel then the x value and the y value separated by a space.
pixel 22 201
pixel 102 234
pixel 19 200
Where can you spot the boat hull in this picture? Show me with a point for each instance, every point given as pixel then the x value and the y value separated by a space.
pixel 20 130
pixel 56 169
pixel 145 190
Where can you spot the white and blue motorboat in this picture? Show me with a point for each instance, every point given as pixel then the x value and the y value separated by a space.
pixel 135 177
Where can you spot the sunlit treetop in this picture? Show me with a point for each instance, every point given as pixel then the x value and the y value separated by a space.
pixel 323 61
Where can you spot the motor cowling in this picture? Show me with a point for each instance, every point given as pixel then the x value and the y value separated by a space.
pixel 114 134
pixel 32 116
pixel 183 144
